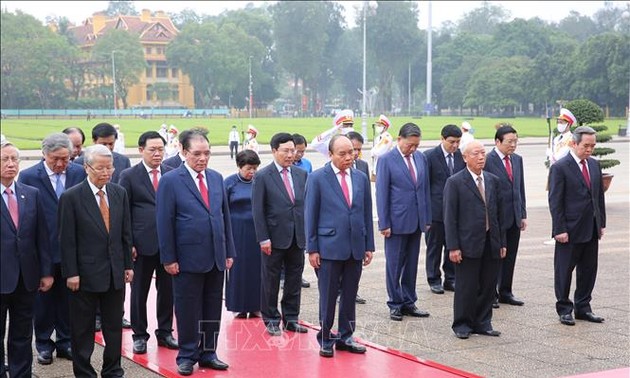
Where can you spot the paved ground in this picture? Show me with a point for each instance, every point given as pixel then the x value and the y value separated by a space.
pixel 533 343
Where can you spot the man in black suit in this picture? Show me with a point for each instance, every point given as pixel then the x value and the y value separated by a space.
pixel 508 167
pixel 141 183
pixel 278 209
pixel 52 176
pixel 177 160
pixel 578 215
pixel 475 240
pixel 95 240
pixel 25 263
pixel 77 137
pixel 443 161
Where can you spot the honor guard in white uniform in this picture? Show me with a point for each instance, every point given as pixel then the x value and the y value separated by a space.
pixel 250 142
pixel 342 124
pixel 383 141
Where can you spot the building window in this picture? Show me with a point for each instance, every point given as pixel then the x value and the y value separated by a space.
pixel 148 50
pixel 174 73
pixel 161 70
pixel 149 72
pixel 175 94
pixel 159 50
pixel 149 92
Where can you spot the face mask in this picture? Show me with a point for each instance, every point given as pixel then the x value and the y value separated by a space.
pixel 250 136
pixel 561 127
pixel 380 129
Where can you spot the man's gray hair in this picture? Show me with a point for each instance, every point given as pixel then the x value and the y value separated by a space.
pixel 6 143
pixel 582 130
pixel 96 150
pixel 56 141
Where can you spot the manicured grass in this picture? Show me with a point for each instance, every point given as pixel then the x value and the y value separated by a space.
pixel 28 133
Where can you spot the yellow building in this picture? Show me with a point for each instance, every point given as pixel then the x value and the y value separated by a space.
pixel 155 32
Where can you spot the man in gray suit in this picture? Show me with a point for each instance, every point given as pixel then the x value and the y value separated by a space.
pixel 278 209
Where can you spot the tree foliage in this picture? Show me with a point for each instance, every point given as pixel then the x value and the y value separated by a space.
pixel 585 111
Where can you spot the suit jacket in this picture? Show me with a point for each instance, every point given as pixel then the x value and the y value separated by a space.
pixel 121 162
pixel 25 250
pixel 574 207
pixel 401 205
pixel 276 218
pixel 139 187
pixel 87 249
pixel 465 214
pixel 188 233
pixel 512 192
pixel 438 174
pixel 173 162
pixel 363 166
pixel 37 177
pixel 335 230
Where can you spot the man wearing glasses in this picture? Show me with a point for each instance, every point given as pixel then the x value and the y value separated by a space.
pixel 508 167
pixel 95 241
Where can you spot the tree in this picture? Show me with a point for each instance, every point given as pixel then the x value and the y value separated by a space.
pixel 483 20
pixel 125 8
pixel 124 50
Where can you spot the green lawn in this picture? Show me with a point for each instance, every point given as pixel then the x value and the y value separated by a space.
pixel 28 133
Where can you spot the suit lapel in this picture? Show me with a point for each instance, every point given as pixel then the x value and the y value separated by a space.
pixel 6 215
pixel 402 164
pixel 43 175
pixel 472 185
pixel 277 179
pixel 191 185
pixel 334 184
pixel 442 160
pixel 91 207
pixel 144 179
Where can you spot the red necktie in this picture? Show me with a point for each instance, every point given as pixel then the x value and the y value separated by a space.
pixel 154 172
pixel 204 190
pixel 287 184
pixel 412 171
pixel 102 205
pixel 13 206
pixel 508 167
pixel 344 187
pixel 587 179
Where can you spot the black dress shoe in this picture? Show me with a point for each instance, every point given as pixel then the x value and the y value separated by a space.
pixel 126 324
pixel 44 357
pixel 97 324
pixel 65 353
pixel 511 301
pixel 590 317
pixel 495 303
pixel 168 341
pixel 241 315
pixel 414 312
pixel 255 314
pixel 185 368
pixel 489 332
pixel 273 329
pixel 395 314
pixel 214 364
pixel 139 346
pixel 359 300
pixel 305 284
pixel 295 327
pixel 437 289
pixel 351 347
pixel 462 334
pixel 449 286
pixel 567 319
pixel 326 352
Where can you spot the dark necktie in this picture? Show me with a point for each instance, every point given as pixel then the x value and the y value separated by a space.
pixel 587 178
pixel 344 187
pixel 204 190
pixel 59 185
pixel 508 168
pixel 13 206
pixel 154 172
pixel 102 205
pixel 412 171
pixel 287 184
pixel 449 162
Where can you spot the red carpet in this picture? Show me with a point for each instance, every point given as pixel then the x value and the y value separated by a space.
pixel 615 373
pixel 245 345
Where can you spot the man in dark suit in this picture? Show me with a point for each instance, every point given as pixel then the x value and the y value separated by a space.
pixel 508 167
pixel 77 137
pixel 578 215
pixel 95 242
pixel 340 236
pixel 278 209
pixel 25 263
pixel 178 159
pixel 403 203
pixel 475 240
pixel 106 134
pixel 52 176
pixel 357 146
pixel 196 248
pixel 442 162
pixel 141 183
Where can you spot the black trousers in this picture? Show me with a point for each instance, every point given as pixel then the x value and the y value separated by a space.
pixel 506 270
pixel 581 257
pixel 293 260
pixel 436 254
pixel 19 306
pixel 52 313
pixel 83 306
pixel 233 149
pixel 143 269
pixel 475 291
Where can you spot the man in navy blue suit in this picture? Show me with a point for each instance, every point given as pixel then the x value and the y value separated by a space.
pixel 504 163
pixel 442 162
pixel 196 248
pixel 106 134
pixel 403 203
pixel 52 176
pixel 340 237
pixel 25 263
pixel 475 240
pixel 141 182
pixel 578 215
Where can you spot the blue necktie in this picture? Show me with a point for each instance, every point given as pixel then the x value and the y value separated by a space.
pixel 59 186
